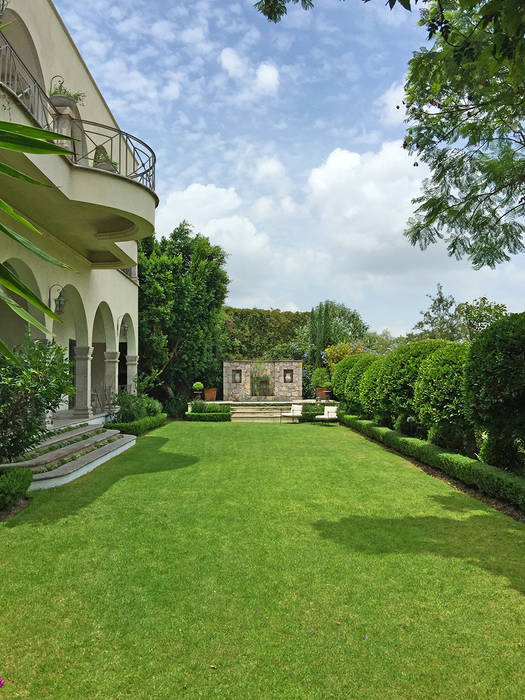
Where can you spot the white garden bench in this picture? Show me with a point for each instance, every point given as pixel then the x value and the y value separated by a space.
pixel 295 412
pixel 330 413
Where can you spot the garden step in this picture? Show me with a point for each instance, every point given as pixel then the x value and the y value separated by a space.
pixel 65 435
pixel 62 452
pixel 82 465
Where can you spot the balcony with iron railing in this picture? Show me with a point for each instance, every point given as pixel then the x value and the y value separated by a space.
pixel 96 145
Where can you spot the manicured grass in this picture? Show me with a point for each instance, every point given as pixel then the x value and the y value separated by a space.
pixel 242 546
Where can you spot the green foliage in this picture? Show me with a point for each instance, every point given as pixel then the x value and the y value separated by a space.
pixel 136 406
pixel 209 417
pixel 309 413
pixel 263 333
pixel 142 425
pixel 321 378
pixel 181 326
pixel 331 323
pixel 26 139
pixel 203 407
pixel 465 102
pixel 30 387
pixel 340 373
pixel 441 319
pixel 14 483
pixel 438 398
pixel 333 354
pixel 353 379
pixel 398 378
pixel 77 97
pixel 495 384
pixel 489 480
pixel 369 390
pixel 382 343
pixel 176 406
pixel 479 314
pixel 197 386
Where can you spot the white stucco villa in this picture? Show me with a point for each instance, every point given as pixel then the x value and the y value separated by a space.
pixel 98 203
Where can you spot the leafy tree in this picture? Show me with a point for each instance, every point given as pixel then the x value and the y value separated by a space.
pixel 253 332
pixel 181 326
pixel 440 320
pixel 335 353
pixel 382 343
pixel 331 323
pixel 479 314
pixel 31 386
pixel 465 102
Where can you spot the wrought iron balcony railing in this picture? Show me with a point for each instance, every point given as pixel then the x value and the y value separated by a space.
pixel 96 145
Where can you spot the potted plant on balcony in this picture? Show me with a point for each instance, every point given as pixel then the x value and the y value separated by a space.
pixel 321 383
pixel 102 161
pixel 62 97
pixel 197 389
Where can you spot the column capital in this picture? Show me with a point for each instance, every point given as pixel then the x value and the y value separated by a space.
pixel 111 356
pixel 132 359
pixel 83 353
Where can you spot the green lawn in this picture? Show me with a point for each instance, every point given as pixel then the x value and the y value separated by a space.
pixel 301 560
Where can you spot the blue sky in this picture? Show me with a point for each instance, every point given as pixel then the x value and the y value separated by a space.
pixel 282 143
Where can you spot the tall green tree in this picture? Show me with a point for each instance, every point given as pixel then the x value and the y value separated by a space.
pixel 331 323
pixel 441 319
pixel 181 323
pixel 479 314
pixel 254 332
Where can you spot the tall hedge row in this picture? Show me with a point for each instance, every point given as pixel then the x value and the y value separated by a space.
pixel 340 373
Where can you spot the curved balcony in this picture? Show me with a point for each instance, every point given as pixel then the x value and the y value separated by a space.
pixel 96 145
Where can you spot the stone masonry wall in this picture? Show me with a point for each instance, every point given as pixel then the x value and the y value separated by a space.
pixel 282 390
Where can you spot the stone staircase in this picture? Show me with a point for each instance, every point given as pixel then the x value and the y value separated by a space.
pixel 72 453
pixel 261 414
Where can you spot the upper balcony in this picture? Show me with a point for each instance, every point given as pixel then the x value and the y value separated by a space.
pixel 102 212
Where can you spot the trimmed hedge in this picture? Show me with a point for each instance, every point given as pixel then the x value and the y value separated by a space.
pixel 340 373
pixel 489 480
pixel 369 389
pixel 203 407
pixel 396 389
pixel 352 381
pixel 308 414
pixel 14 483
pixel 142 425
pixel 217 417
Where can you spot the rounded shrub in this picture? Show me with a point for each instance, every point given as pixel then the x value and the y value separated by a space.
pixel 176 406
pixel 321 378
pixel 369 390
pixel 396 393
pixel 353 402
pixel 439 401
pixel 495 389
pixel 340 373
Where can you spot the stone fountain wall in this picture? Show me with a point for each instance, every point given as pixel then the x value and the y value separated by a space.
pixel 277 373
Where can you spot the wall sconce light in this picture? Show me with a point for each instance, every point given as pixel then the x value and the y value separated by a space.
pixel 122 327
pixel 60 301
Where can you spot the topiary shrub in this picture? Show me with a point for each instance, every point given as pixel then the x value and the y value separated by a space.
pixel 142 425
pixel 495 389
pixel 14 483
pixel 369 390
pixel 439 400
pixel 352 400
pixel 398 378
pixel 340 373
pixel 176 406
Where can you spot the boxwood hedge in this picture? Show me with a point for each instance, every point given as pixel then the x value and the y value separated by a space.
pixel 353 402
pixel 142 425
pixel 14 482
pixel 340 373
pixel 369 389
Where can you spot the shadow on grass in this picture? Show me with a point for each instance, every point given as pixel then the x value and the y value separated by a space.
pixel 145 458
pixel 485 540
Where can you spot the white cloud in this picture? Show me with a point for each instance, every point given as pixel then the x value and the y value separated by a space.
pixel 390 105
pixel 171 90
pixel 232 63
pixel 267 79
pixel 163 30
pixel 269 169
pixel 198 204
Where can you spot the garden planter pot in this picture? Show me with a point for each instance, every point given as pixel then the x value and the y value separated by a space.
pixel 322 393
pixel 210 394
pixel 63 101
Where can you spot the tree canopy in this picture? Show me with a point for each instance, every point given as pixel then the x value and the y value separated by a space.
pixel 183 287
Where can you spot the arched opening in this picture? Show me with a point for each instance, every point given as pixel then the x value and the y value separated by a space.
pixel 14 328
pixel 104 364
pixel 20 39
pixel 72 333
pixel 127 349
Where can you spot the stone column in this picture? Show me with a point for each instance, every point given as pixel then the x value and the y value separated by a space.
pixel 131 362
pixel 110 375
pixel 83 357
